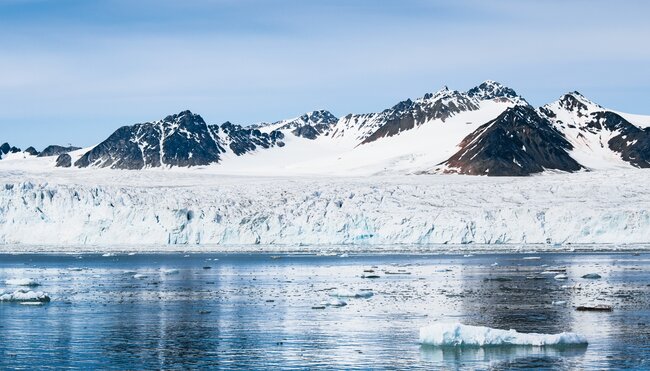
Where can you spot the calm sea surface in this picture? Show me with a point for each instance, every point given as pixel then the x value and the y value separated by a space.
pixel 263 311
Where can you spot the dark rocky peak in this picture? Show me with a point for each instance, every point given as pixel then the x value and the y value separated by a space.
pixel 309 125
pixel 408 114
pixel 55 150
pixel 492 90
pixel 578 104
pixel 631 142
pixel 518 142
pixel 319 117
pixel 182 139
pixel 242 140
pixel 31 151
pixel 64 160
pixel 6 148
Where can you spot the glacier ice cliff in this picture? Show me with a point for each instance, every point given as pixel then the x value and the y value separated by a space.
pixel 609 207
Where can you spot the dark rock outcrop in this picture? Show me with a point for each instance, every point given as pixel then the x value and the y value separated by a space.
pixel 409 114
pixel 631 142
pixel 243 140
pixel 310 125
pixel 492 90
pixel 518 142
pixel 64 160
pixel 181 140
pixel 55 150
pixel 32 151
pixel 5 148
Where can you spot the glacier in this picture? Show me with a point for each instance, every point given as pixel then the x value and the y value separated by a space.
pixel 131 209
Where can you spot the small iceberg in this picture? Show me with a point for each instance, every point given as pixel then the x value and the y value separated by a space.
pixel 139 276
pixel 561 276
pixel 22 282
pixel 532 258
pixel 364 294
pixel 334 303
pixel 169 272
pixel 459 335
pixel 24 296
pixel 592 276
pixel 108 255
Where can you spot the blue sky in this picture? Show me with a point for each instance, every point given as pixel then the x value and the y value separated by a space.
pixel 72 71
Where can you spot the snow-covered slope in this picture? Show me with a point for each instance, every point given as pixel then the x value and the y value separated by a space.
pixel 113 207
pixel 601 138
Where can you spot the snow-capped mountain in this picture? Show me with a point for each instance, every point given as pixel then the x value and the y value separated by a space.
pixel 518 142
pixel 182 139
pixel 601 138
pixel 310 125
pixel 487 130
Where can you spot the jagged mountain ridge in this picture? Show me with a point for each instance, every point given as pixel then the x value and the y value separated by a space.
pixel 481 131
pixel 183 140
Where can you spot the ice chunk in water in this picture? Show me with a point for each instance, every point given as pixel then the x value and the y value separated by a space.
pixel 352 294
pixel 334 303
pixel 22 282
pixel 458 335
pixel 23 295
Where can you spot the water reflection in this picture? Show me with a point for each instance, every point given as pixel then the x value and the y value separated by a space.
pixel 254 312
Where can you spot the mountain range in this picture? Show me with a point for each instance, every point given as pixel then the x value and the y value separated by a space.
pixel 487 130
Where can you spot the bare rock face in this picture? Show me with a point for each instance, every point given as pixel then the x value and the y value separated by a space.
pixel 55 150
pixel 64 160
pixel 409 114
pixel 180 140
pixel 6 148
pixel 631 142
pixel 519 142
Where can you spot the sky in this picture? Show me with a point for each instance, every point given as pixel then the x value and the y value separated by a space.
pixel 73 71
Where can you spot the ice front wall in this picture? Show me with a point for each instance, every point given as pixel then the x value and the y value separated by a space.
pixel 604 207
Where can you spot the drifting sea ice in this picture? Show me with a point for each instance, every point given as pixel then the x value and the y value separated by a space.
pixel 352 294
pixel 458 335
pixel 334 303
pixel 22 282
pixel 23 295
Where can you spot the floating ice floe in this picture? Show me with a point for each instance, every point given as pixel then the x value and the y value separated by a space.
pixel 108 255
pixel 169 272
pixel 459 335
pixel 139 276
pixel 592 276
pixel 532 258
pixel 561 276
pixel 24 296
pixel 22 282
pixel 334 303
pixel 559 302
pixel 352 294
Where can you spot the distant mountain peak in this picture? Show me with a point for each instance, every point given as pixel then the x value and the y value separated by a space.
pixel 574 101
pixel 490 89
